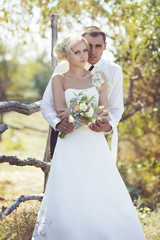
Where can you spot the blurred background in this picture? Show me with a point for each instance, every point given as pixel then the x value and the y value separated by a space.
pixel 133 41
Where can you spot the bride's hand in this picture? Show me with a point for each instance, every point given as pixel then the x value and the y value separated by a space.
pixel 102 113
pixel 63 113
pixel 104 118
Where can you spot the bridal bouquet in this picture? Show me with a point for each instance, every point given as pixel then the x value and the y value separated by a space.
pixel 83 111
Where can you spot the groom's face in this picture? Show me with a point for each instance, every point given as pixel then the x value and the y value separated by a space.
pixel 97 46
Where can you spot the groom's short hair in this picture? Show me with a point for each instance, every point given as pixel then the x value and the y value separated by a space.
pixel 94 31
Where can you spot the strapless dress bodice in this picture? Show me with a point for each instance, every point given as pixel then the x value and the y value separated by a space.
pixel 70 93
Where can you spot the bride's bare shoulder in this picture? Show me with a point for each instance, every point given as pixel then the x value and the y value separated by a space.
pixel 57 79
pixel 57 76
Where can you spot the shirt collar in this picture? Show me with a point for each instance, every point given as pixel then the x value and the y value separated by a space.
pixel 97 64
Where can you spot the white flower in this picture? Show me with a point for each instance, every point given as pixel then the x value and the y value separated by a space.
pixel 97 76
pixel 83 107
pixel 100 107
pixel 88 114
pixel 98 85
pixel 93 120
pixel 97 79
pixel 91 110
pixel 71 119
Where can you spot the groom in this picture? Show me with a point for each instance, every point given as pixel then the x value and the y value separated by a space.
pixel 113 72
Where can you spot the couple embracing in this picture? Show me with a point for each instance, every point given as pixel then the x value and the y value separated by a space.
pixel 85 196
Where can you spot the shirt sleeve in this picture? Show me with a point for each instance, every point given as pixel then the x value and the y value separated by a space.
pixel 47 104
pixel 116 108
pixel 116 104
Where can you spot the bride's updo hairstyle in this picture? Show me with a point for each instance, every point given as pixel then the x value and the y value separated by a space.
pixel 66 44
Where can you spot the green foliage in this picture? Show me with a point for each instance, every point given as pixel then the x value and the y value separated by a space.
pixel 41 73
pixel 136 39
pixel 142 179
pixel 13 74
pixel 20 81
pixel 4 72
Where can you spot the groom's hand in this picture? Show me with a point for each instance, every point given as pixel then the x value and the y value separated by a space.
pixel 65 126
pixel 101 126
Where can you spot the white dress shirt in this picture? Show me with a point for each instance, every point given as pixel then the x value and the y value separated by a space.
pixel 113 73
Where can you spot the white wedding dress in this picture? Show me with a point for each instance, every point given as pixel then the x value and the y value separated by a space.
pixel 85 196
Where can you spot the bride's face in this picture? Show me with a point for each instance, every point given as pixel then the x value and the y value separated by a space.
pixel 79 56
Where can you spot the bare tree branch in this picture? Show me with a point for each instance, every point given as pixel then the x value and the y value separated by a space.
pixel 19 107
pixel 136 109
pixel 3 128
pixel 13 160
pixel 6 211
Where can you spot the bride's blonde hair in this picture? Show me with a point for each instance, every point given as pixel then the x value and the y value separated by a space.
pixel 65 45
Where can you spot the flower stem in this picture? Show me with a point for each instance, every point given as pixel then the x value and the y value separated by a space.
pixel 62 135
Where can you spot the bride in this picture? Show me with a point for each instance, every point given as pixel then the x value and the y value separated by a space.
pixel 85 196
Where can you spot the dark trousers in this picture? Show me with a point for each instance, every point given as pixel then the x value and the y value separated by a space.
pixel 53 141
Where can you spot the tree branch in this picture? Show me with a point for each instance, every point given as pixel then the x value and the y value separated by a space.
pixel 6 211
pixel 136 109
pixel 13 160
pixel 3 128
pixel 19 107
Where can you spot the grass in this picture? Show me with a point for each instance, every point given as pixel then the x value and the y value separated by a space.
pixel 15 181
pixel 20 224
pixel 151 226
pixel 27 140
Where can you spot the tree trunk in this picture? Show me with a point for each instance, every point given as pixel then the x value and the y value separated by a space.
pixel 54 24
pixel 1 122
